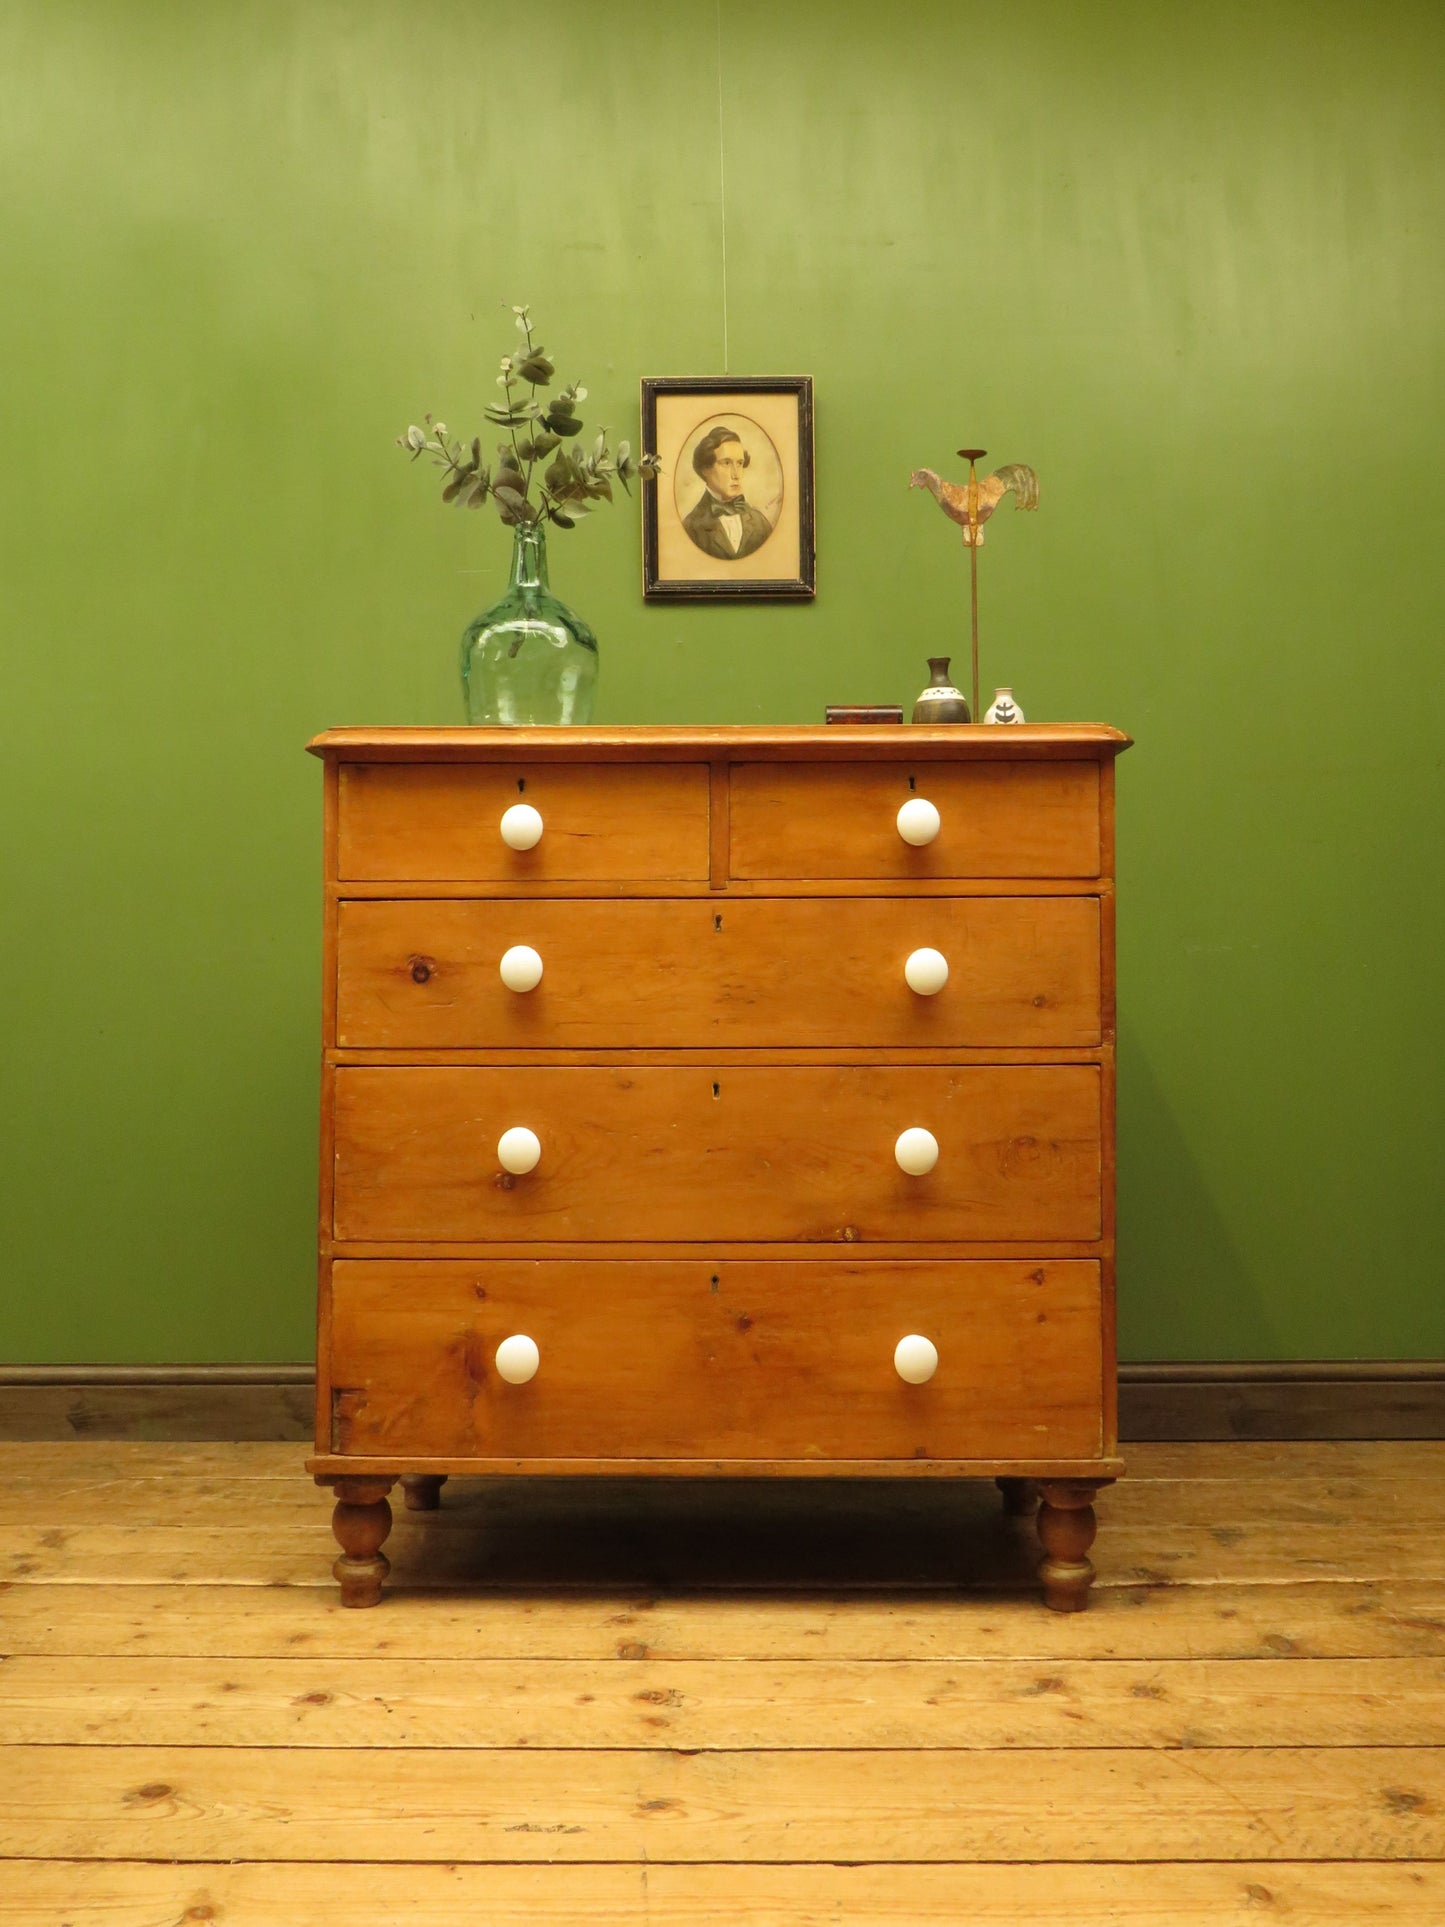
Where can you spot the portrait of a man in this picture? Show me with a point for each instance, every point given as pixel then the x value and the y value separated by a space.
pixel 724 523
pixel 729 511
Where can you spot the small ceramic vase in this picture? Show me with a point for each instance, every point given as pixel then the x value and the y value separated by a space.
pixel 941 702
pixel 1003 708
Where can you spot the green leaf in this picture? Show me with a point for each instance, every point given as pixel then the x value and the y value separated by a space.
pixel 570 512
pixel 537 370
pixel 514 414
pixel 416 437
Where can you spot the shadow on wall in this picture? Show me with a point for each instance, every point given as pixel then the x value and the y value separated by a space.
pixel 1179 1272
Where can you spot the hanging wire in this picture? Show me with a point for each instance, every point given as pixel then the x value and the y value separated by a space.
pixel 722 186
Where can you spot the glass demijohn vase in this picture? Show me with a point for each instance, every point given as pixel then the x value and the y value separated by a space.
pixel 529 659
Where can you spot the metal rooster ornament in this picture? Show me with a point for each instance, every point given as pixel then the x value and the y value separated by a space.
pixel 970 504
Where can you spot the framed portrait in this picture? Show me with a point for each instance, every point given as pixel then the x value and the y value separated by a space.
pixel 731 511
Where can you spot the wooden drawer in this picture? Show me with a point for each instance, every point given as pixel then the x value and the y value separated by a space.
pixel 431 822
pixel 658 973
pixel 1013 819
pixel 732 1361
pixel 746 1153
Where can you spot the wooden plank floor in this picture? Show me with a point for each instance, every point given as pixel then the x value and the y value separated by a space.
pixel 691 1704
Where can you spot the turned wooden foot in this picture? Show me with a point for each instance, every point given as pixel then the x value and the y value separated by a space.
pixel 361 1521
pixel 422 1490
pixel 1020 1496
pixel 1066 1531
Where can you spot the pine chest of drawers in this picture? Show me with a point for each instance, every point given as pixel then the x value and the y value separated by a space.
pixel 718 1101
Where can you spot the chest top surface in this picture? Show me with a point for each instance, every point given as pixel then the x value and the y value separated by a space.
pixel 1022 742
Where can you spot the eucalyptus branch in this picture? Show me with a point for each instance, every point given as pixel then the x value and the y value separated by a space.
pixel 566 490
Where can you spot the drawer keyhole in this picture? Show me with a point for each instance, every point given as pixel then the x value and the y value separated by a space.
pixel 421 969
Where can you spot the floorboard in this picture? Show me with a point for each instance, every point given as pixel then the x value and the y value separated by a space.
pixel 683 1703
pixel 1193 1894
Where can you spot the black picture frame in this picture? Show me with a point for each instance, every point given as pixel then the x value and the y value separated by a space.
pixel 776 421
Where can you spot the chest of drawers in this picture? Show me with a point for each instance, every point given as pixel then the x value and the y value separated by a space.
pixel 718 1102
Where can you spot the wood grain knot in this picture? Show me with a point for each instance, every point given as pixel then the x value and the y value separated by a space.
pixel 1400 1800
pixel 421 969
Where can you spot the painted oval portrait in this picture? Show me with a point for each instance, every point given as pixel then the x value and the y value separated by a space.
pixel 728 486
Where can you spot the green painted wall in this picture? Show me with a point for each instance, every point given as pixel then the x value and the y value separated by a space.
pixel 1185 260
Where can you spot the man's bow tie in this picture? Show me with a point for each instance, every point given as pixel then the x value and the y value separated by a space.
pixel 733 505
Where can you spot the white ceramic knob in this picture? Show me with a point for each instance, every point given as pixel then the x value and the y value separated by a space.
pixel 522 967
pixel 518 1358
pixel 916 1151
pixel 521 827
pixel 915 1358
pixel 919 821
pixel 519 1149
pixel 926 972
